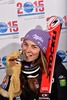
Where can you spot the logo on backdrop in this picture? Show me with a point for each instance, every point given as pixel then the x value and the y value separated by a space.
pixel 62 54
pixel 9 28
pixel 2 62
pixel 30 8
pixel 3 27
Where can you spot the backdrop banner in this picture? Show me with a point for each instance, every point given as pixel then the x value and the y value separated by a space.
pixel 9 32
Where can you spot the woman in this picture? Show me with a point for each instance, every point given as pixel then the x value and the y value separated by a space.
pixel 34 47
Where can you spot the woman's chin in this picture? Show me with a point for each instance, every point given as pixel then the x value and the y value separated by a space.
pixel 29 60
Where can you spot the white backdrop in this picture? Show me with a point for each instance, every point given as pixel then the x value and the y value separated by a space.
pixel 9 32
pixel 17 19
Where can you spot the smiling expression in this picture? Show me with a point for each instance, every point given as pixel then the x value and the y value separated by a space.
pixel 31 50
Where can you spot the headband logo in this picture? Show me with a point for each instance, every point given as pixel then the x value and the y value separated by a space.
pixel 36 37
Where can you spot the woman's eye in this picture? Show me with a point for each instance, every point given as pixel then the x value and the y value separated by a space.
pixel 34 47
pixel 25 44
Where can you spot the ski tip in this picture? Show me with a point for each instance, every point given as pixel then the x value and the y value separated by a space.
pixel 60 19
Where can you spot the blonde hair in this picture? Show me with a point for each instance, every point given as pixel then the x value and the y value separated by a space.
pixel 44 62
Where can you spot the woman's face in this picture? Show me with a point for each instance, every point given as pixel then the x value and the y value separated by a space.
pixel 31 50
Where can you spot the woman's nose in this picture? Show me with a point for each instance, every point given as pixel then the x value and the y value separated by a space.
pixel 28 49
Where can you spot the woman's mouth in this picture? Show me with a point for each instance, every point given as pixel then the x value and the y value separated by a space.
pixel 28 55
